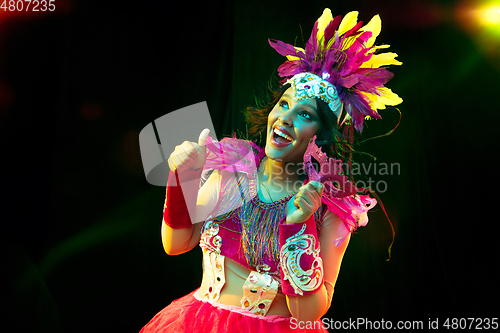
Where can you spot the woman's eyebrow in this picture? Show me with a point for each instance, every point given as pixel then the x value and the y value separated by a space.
pixel 312 107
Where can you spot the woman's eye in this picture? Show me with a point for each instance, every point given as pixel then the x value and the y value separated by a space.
pixel 305 115
pixel 284 104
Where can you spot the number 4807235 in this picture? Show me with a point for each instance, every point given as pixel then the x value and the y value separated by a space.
pixel 28 5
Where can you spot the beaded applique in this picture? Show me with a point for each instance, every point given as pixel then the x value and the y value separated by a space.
pixel 259 291
pixel 213 261
pixel 290 255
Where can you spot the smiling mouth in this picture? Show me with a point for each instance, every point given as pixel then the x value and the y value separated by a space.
pixel 280 137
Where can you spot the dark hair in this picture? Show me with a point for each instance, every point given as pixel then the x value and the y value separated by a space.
pixel 332 142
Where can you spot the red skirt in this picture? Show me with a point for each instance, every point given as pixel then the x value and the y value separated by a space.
pixel 191 314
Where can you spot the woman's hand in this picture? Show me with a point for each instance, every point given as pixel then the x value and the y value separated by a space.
pixel 303 204
pixel 190 155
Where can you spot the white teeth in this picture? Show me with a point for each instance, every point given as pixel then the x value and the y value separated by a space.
pixel 280 133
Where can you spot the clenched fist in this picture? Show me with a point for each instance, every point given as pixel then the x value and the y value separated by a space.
pixel 189 155
pixel 303 204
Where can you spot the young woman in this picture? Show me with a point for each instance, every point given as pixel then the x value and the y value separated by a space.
pixel 274 222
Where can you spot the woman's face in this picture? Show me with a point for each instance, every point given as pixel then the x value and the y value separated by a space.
pixel 290 125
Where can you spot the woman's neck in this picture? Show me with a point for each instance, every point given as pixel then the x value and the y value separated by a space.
pixel 279 179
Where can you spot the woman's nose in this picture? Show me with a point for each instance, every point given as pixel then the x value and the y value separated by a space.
pixel 286 118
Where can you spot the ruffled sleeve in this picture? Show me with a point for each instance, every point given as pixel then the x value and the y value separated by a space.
pixel 234 155
pixel 236 163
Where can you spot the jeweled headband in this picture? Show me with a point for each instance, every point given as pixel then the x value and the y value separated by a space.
pixel 339 65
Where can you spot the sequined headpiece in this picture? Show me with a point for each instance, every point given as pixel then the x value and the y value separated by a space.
pixel 308 85
pixel 339 65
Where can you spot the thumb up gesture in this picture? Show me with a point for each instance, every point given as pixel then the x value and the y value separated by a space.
pixel 189 155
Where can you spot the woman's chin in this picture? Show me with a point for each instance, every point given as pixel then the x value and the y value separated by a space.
pixel 271 152
pixel 280 154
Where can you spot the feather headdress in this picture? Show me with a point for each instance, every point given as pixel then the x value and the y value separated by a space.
pixel 341 54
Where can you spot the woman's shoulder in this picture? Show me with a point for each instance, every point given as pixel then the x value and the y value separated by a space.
pixel 334 229
pixel 345 215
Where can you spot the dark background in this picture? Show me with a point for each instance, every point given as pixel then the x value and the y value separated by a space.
pixel 81 247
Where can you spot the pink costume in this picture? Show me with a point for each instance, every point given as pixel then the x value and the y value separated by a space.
pixel 221 238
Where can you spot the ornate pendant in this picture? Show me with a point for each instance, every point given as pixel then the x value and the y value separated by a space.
pixel 259 291
pixel 213 261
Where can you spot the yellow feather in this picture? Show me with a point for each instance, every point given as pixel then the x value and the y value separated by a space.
pixel 372 100
pixel 348 22
pixel 386 97
pixel 375 26
pixel 389 98
pixel 382 59
pixel 378 47
pixel 323 21
pixel 297 49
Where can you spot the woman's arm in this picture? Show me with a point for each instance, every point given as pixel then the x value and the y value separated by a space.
pixel 186 203
pixel 303 254
pixel 314 306
pixel 178 241
pixel 178 234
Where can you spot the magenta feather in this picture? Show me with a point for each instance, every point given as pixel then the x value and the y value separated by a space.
pixel 312 43
pixel 354 30
pixel 292 67
pixel 283 48
pixel 330 29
